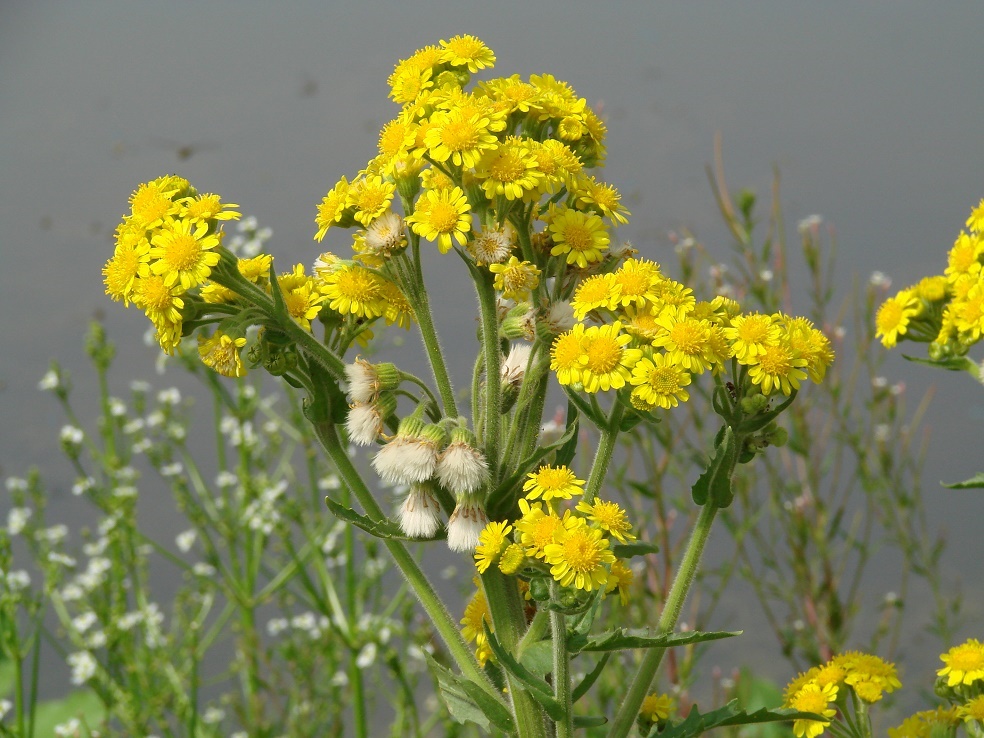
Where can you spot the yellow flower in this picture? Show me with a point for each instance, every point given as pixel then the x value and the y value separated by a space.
pixel 467 51
pixel 332 208
pixel 606 363
pixel 604 198
pixel 515 279
pixel 442 216
pixel 973 710
pixel 964 664
pixel 810 344
pixel 552 483
pixel 129 263
pixel 921 724
pixel 581 236
pixel 491 541
pixel 597 291
pixel 371 197
pixel 777 369
pixel 620 578
pixel 610 517
pixel 687 341
pixel 658 382
pixel 184 256
pixel 509 170
pixel 869 675
pixel 152 202
pixel 813 698
pixel 476 613
pixel 512 558
pixel 565 355
pixel 162 304
pixel 354 290
pixel 638 281
pixel 536 527
pixel 302 298
pixel 256 268
pixel 964 257
pixel 656 707
pixel 750 335
pixel 203 208
pixel 221 353
pixel 460 138
pixel 892 319
pixel 975 223
pixel 579 555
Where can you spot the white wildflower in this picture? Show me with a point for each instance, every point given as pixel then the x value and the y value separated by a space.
pixel 186 540
pixel 17 519
pixel 83 666
pixel 420 513
pixel 50 381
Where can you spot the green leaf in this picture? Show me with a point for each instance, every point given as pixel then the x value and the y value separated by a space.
pixel 279 306
pixel 696 724
pixel 589 721
pixel 538 658
pixel 714 485
pixel 953 364
pixel 565 454
pixel 639 548
pixel 592 676
pixel 537 687
pixel 378 528
pixel 622 638
pixel 468 702
pixel 975 482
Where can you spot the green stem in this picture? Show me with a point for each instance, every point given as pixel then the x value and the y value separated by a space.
pixel 493 360
pixel 668 619
pixel 603 455
pixel 351 604
pixel 416 578
pixel 561 666
pixel 508 621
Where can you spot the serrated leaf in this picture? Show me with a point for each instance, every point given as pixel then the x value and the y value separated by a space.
pixel 622 638
pixel 638 548
pixel 465 705
pixel 975 482
pixel 378 528
pixel 696 724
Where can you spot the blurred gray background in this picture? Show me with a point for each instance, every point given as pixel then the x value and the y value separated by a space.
pixel 872 111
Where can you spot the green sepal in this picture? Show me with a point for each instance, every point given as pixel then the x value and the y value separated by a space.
pixel 622 638
pixel 638 548
pixel 975 482
pixel 714 485
pixel 589 721
pixel 590 678
pixel 696 724
pixel 759 421
pixel 537 687
pixel 468 702
pixel 377 528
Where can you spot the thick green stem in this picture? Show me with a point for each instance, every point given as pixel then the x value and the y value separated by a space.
pixel 493 359
pixel 668 619
pixel 561 667
pixel 429 599
pixel 509 622
pixel 603 455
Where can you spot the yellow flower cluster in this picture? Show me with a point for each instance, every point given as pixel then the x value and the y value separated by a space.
pixel 166 246
pixel 946 310
pixel 655 335
pixel 475 167
pixel 572 545
pixel 816 690
pixel 656 707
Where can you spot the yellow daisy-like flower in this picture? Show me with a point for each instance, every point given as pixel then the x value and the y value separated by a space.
pixel 472 628
pixel 203 208
pixel 256 268
pixel 750 335
pixel 396 138
pixel 658 382
pixel 154 201
pixel 408 80
pixel 778 369
pixel 221 353
pixel 130 261
pixel 536 528
pixel 565 355
pixel 184 253
pixel 620 577
pixel 515 279
pixel 443 216
pixel 552 483
pixel 639 281
pixel 868 674
pixel 510 170
pixel 813 698
pixel 597 291
pixel 922 724
pixel 604 198
pixel 932 289
pixel 606 363
pixel 687 341
pixel 656 707
pixel 354 290
pixel 968 314
pixel 973 710
pixel 491 541
pixel 582 237
pixel 398 310
pixel 610 517
pixel 332 208
pixel 467 51
pixel 964 664
pixel 964 257
pixel 301 296
pixel 811 345
pixel 975 223
pixel 641 323
pixel 162 304
pixel 579 556
pixel 371 197
pixel 216 294
pixel 457 137
pixel 892 318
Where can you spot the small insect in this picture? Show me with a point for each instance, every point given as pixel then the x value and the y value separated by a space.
pixel 731 390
